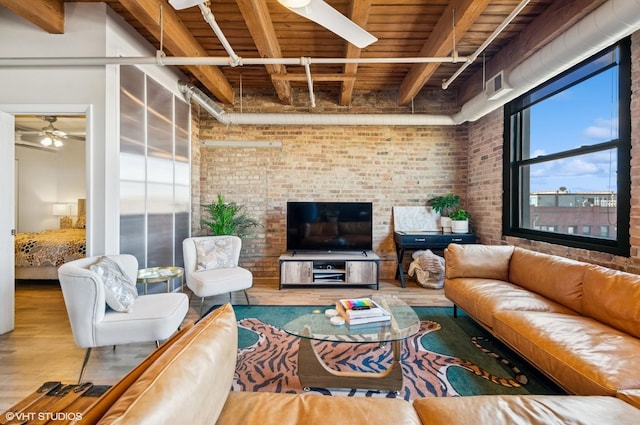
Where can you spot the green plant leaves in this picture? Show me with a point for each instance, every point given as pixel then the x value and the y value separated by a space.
pixel 229 218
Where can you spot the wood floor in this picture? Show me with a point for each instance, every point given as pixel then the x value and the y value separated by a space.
pixel 41 346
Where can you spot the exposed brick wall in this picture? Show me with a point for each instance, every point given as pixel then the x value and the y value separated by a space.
pixel 389 166
pixel 485 184
pixel 386 165
pixel 485 177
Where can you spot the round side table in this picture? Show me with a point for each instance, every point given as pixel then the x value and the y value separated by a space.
pixel 161 274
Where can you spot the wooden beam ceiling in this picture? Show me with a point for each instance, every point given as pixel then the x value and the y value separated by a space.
pixel 359 13
pixel 258 20
pixel 46 14
pixel 179 41
pixel 440 43
pixel 405 28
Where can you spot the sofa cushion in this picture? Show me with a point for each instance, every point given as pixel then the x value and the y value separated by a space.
pixel 207 282
pixel 190 382
pixel 480 298
pixel 630 396
pixel 156 317
pixel 483 261
pixel 525 409
pixel 557 278
pixel 612 297
pixel 583 355
pixel 262 408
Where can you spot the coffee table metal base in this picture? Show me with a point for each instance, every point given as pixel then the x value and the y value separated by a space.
pixel 314 372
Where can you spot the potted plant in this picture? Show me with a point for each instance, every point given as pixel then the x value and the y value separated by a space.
pixel 460 221
pixel 229 218
pixel 445 205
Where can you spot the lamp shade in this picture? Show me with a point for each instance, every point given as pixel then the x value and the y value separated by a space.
pixel 62 209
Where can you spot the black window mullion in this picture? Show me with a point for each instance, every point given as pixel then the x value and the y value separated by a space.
pixel 583 150
pixel 516 165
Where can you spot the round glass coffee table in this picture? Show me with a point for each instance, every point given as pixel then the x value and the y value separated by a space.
pixel 314 372
pixel 161 274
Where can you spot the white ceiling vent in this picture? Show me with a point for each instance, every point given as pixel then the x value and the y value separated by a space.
pixel 497 86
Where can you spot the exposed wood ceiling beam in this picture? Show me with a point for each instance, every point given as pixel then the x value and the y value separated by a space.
pixel 258 20
pixel 179 41
pixel 359 13
pixel 46 14
pixel 555 20
pixel 440 43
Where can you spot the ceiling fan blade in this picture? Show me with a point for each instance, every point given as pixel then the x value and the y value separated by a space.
pixel 183 4
pixel 59 133
pixel 323 14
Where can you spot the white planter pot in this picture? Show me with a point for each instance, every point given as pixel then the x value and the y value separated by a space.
pixel 445 223
pixel 460 226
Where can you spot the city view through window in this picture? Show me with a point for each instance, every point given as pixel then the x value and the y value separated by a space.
pixel 571 186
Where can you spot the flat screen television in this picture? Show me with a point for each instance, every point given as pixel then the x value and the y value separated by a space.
pixel 329 226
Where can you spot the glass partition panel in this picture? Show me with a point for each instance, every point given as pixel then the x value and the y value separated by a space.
pixel 132 163
pixel 155 171
pixel 159 175
pixel 182 178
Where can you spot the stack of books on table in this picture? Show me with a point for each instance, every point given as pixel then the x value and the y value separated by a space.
pixel 358 311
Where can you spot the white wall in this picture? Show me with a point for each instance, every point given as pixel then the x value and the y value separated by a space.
pixel 91 29
pixel 46 178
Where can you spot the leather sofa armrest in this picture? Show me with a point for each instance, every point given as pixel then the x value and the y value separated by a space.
pixel 189 383
pixel 102 404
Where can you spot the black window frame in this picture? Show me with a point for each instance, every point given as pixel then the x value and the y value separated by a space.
pixel 513 163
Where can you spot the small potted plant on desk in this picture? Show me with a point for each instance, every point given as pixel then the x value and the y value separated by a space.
pixel 445 205
pixel 460 221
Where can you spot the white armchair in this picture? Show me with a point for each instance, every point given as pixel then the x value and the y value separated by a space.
pixel 209 282
pixel 153 318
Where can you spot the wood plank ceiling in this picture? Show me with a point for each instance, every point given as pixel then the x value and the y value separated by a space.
pixel 404 28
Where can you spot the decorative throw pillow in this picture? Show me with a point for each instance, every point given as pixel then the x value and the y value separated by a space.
pixel 81 223
pixel 119 292
pixel 216 253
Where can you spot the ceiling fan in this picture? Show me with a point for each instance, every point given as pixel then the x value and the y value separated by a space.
pixel 323 14
pixel 52 136
pixel 29 133
pixel 317 11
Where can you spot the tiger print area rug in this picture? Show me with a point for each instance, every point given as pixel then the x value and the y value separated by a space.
pixel 448 357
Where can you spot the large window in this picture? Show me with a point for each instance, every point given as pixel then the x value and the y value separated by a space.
pixel 567 157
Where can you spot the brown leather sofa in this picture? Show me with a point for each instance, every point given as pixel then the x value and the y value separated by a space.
pixel 188 380
pixel 578 323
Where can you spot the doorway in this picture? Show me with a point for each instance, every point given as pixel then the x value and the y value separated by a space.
pixel 14 140
pixel 50 223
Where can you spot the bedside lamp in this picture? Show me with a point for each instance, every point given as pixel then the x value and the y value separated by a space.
pixel 64 212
